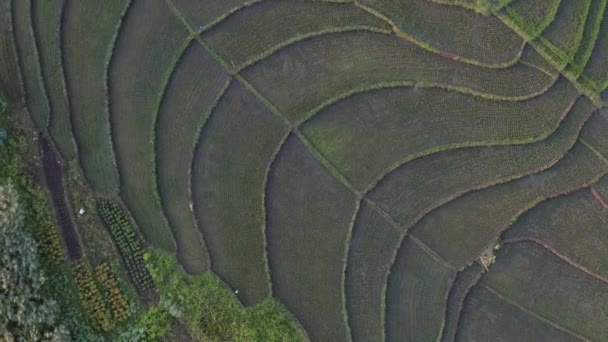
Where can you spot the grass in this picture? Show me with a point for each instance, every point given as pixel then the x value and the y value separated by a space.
pixel 532 16
pixel 460 230
pixel 416 295
pixel 546 285
pixel 454 31
pixel 27 49
pixel 137 81
pixel 210 312
pixel 308 218
pixel 324 68
pixel 255 32
pixel 368 132
pixel 46 17
pixel 194 88
pixel 463 283
pixel 488 317
pixel 590 36
pixel 235 147
pixel 85 81
pixel 573 224
pixel 596 68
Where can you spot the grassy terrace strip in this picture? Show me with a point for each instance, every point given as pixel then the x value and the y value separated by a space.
pixel 256 32
pixel 85 82
pixel 575 225
pixel 369 132
pixel 195 87
pixel 308 217
pixel 590 36
pixel 416 295
pixel 210 13
pixel 562 38
pixel 489 317
pixel 528 274
pixel 368 265
pixel 27 49
pixel 236 145
pixel 449 31
pixel 372 236
pixel 47 16
pixel 460 230
pixel 532 16
pixel 11 84
pixel 323 68
pixel 137 80
pixel 596 69
pixel 465 280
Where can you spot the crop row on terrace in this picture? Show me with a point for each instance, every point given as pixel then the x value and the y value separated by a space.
pixel 325 68
pixel 35 94
pixel 128 245
pixel 86 84
pixel 460 289
pixel 256 32
pixel 367 133
pixel 462 229
pixel 489 317
pixel 416 295
pixel 194 88
pixel 137 78
pixel 412 190
pixel 532 16
pixel 11 85
pixel 596 68
pixel 116 300
pixel 546 285
pixel 46 17
pixel 590 36
pixel 209 13
pixel 229 173
pixel 91 297
pixel 308 217
pixel 574 224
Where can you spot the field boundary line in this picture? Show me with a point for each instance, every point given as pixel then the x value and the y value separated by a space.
pixel 193 148
pixel 598 197
pixel 594 150
pixel 425 46
pixel 532 313
pixel 347 243
pixel 555 251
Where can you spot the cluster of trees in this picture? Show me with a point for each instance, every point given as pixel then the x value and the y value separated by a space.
pixel 26 313
pixel 114 296
pixel 128 245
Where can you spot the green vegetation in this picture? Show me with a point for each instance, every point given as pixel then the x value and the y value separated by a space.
pixel 210 312
pixel 464 282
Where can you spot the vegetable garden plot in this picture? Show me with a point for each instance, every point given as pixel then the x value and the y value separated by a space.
pixel 194 88
pixel 531 16
pixel 229 174
pixel 35 95
pixel 416 295
pixel 46 16
pixel 575 225
pixel 86 85
pixel 137 79
pixel 464 282
pixel 460 230
pixel 455 31
pixel 368 132
pixel 308 217
pixel 415 188
pixel 324 69
pixel 10 78
pixel 371 250
pixel 259 30
pixel 487 317
pixel 532 276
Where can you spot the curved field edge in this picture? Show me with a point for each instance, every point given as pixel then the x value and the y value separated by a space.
pixel 12 80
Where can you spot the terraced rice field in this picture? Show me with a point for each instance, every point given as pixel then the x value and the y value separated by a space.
pixel 412 170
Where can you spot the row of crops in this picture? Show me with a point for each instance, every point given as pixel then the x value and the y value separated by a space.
pixel 351 159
